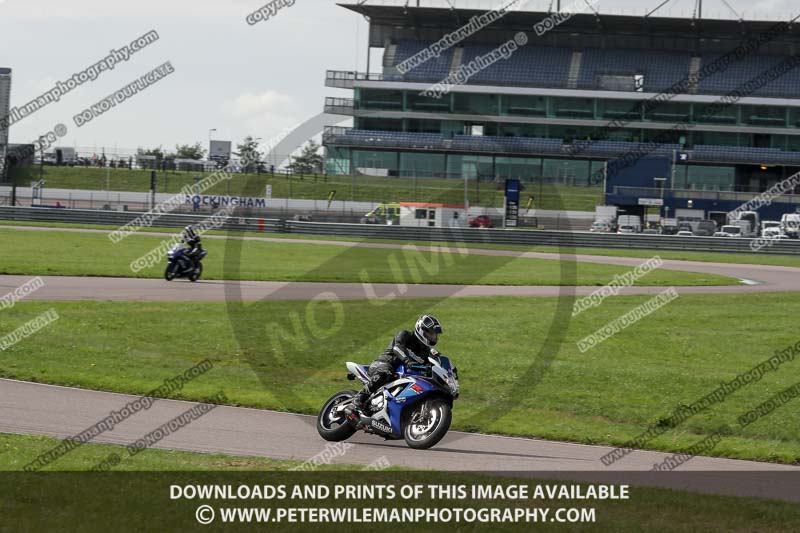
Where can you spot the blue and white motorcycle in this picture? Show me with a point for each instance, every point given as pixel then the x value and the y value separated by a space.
pixel 179 265
pixel 417 406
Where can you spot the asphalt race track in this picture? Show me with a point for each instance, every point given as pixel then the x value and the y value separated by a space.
pixel 760 278
pixel 29 408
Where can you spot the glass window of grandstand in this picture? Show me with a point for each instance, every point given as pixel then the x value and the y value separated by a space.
pixel 565 171
pixel 668 112
pixel 573 107
pixel 522 130
pixel 703 178
pixel 380 99
pixel 627 109
pixel 423 126
pixel 525 169
pixel 569 133
pixel 715 114
pixel 337 162
pixel 470 167
pixel 715 138
pixel 421 214
pixel 764 115
pixel 370 163
pixel 422 165
pixel 679 177
pixel 664 137
pixel 524 106
pixel 378 124
pixel 451 128
pixel 477 104
pixel 623 135
pixel 794 117
pixel 793 143
pixel 597 172
pixel 417 102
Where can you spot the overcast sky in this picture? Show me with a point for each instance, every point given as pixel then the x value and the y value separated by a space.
pixel 240 79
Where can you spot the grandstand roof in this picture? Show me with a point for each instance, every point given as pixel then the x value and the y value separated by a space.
pixel 681 33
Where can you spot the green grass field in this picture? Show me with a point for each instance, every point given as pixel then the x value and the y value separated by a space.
pixel 365 189
pixel 522 373
pixel 136 495
pixel 93 254
pixel 18 450
pixel 706 257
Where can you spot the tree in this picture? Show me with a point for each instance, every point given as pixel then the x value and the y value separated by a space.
pixel 158 152
pixel 249 154
pixel 185 151
pixel 309 161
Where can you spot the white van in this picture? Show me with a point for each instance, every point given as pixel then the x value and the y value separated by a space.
pixel 790 225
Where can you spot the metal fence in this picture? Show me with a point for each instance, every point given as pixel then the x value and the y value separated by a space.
pixel 483 236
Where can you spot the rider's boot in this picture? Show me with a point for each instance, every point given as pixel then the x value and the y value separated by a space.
pixel 359 400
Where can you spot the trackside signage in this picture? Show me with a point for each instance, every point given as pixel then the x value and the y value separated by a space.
pixel 200 200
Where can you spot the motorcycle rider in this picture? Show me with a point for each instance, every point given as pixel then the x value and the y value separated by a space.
pixel 192 240
pixel 406 348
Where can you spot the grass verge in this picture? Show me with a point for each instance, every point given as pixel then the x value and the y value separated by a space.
pixel 607 395
pixel 139 495
pixel 93 254
pixel 705 257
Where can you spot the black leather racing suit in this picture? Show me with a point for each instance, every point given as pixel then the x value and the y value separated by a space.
pixel 383 368
pixel 194 251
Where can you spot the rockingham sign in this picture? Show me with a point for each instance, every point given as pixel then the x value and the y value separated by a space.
pixel 202 200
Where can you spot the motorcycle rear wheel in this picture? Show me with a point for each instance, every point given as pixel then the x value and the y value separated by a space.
pixel 194 276
pixel 335 428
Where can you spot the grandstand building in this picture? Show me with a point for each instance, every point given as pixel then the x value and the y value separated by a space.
pixel 717 101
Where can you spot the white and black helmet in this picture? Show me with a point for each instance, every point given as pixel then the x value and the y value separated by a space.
pixel 189 233
pixel 427 330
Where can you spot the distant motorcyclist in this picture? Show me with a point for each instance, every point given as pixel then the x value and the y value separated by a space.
pixel 406 348
pixel 194 247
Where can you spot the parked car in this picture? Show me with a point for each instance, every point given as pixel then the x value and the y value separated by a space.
pixel 771 228
pixel 629 224
pixel 720 234
pixel 685 233
pixel 705 228
pixel 732 231
pixel 481 221
pixel 790 225
pixel 600 227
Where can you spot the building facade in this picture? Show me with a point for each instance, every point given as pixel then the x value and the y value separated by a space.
pixel 719 98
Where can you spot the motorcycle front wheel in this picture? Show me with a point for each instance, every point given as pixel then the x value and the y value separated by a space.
pixel 169 273
pixel 332 426
pixel 428 424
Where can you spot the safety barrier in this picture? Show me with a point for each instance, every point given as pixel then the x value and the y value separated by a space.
pixel 120 218
pixel 520 237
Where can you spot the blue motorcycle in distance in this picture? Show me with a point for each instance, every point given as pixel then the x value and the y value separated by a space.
pixel 179 265
pixel 417 406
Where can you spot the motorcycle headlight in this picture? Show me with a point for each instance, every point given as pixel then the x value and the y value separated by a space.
pixel 453 384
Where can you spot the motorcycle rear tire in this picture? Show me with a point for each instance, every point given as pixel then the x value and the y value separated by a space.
pixel 343 431
pixel 194 276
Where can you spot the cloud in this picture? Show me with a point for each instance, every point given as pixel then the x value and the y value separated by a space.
pixel 264 114
pixel 46 9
